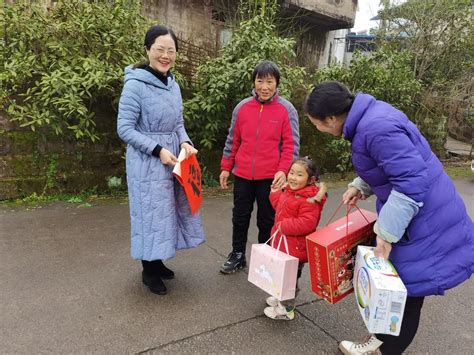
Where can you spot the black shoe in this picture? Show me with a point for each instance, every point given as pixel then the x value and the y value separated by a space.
pixel 162 270
pixel 235 261
pixel 154 283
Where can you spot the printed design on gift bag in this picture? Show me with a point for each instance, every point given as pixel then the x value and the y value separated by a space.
pixel 267 276
pixel 393 325
pixel 363 291
pixel 345 264
pixel 344 226
pixel 325 288
pixel 383 266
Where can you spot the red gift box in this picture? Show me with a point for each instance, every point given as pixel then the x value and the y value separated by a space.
pixel 332 250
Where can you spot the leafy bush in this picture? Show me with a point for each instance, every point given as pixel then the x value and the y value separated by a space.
pixel 386 74
pixel 223 81
pixel 438 34
pixel 55 64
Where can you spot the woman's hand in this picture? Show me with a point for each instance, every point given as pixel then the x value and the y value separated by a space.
pixel 351 196
pixel 278 180
pixel 383 249
pixel 167 158
pixel 223 178
pixel 323 189
pixel 189 149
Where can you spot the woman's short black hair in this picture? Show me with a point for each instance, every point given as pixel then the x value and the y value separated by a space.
pixel 330 98
pixel 156 31
pixel 266 68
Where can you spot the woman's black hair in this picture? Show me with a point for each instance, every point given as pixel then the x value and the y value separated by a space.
pixel 309 165
pixel 157 31
pixel 330 98
pixel 151 35
pixel 266 68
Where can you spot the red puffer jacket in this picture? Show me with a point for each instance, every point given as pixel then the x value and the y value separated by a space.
pixel 296 217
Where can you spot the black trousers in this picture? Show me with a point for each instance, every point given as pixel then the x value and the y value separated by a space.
pixel 395 345
pixel 245 194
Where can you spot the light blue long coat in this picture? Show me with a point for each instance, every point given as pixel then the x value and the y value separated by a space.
pixel 151 113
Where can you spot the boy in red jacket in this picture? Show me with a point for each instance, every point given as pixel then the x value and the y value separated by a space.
pixel 298 210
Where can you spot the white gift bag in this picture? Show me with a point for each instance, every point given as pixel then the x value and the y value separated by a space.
pixel 273 271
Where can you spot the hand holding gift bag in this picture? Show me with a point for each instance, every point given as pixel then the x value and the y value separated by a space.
pixel 273 271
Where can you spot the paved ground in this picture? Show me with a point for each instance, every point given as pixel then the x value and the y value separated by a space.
pixel 458 148
pixel 67 285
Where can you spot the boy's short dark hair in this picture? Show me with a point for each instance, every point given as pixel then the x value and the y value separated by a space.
pixel 266 68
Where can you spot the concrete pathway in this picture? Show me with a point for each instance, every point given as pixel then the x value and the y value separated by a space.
pixel 458 148
pixel 68 285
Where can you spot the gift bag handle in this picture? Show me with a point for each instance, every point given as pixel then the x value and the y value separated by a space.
pixel 349 207
pixel 283 237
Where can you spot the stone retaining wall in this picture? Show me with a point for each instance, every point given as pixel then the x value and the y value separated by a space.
pixel 43 162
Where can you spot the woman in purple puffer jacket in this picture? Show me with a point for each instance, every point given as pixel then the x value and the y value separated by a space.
pixel 422 224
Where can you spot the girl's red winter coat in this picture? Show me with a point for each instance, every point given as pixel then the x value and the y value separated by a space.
pixel 296 216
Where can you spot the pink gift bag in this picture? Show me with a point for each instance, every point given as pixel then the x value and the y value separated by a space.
pixel 273 271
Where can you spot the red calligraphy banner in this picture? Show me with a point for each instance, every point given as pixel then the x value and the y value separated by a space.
pixel 188 173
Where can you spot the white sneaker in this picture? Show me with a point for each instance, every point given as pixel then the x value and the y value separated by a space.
pixel 272 301
pixel 279 312
pixel 370 346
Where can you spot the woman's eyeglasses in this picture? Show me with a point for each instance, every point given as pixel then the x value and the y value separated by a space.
pixel 161 51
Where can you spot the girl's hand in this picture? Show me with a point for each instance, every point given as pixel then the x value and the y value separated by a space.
pixel 278 180
pixel 167 158
pixel 189 149
pixel 275 189
pixel 351 196
pixel 383 249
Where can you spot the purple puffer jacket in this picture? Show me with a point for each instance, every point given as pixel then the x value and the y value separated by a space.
pixel 388 152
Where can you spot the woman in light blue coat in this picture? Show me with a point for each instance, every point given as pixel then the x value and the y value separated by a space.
pixel 150 121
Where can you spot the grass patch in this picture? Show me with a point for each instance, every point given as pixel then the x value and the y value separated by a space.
pixel 86 199
pixel 459 172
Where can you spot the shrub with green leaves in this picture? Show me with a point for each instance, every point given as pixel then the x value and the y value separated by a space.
pixel 56 64
pixel 386 74
pixel 225 80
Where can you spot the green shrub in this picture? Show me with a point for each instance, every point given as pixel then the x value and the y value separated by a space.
pixel 386 74
pixel 55 64
pixel 225 80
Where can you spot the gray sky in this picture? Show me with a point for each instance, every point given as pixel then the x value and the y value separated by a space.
pixel 366 10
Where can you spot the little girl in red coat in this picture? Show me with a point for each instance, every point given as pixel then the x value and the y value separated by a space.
pixel 298 209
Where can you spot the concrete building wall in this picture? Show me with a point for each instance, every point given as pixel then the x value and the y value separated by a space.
pixel 192 20
pixel 333 14
pixel 331 8
pixel 335 48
